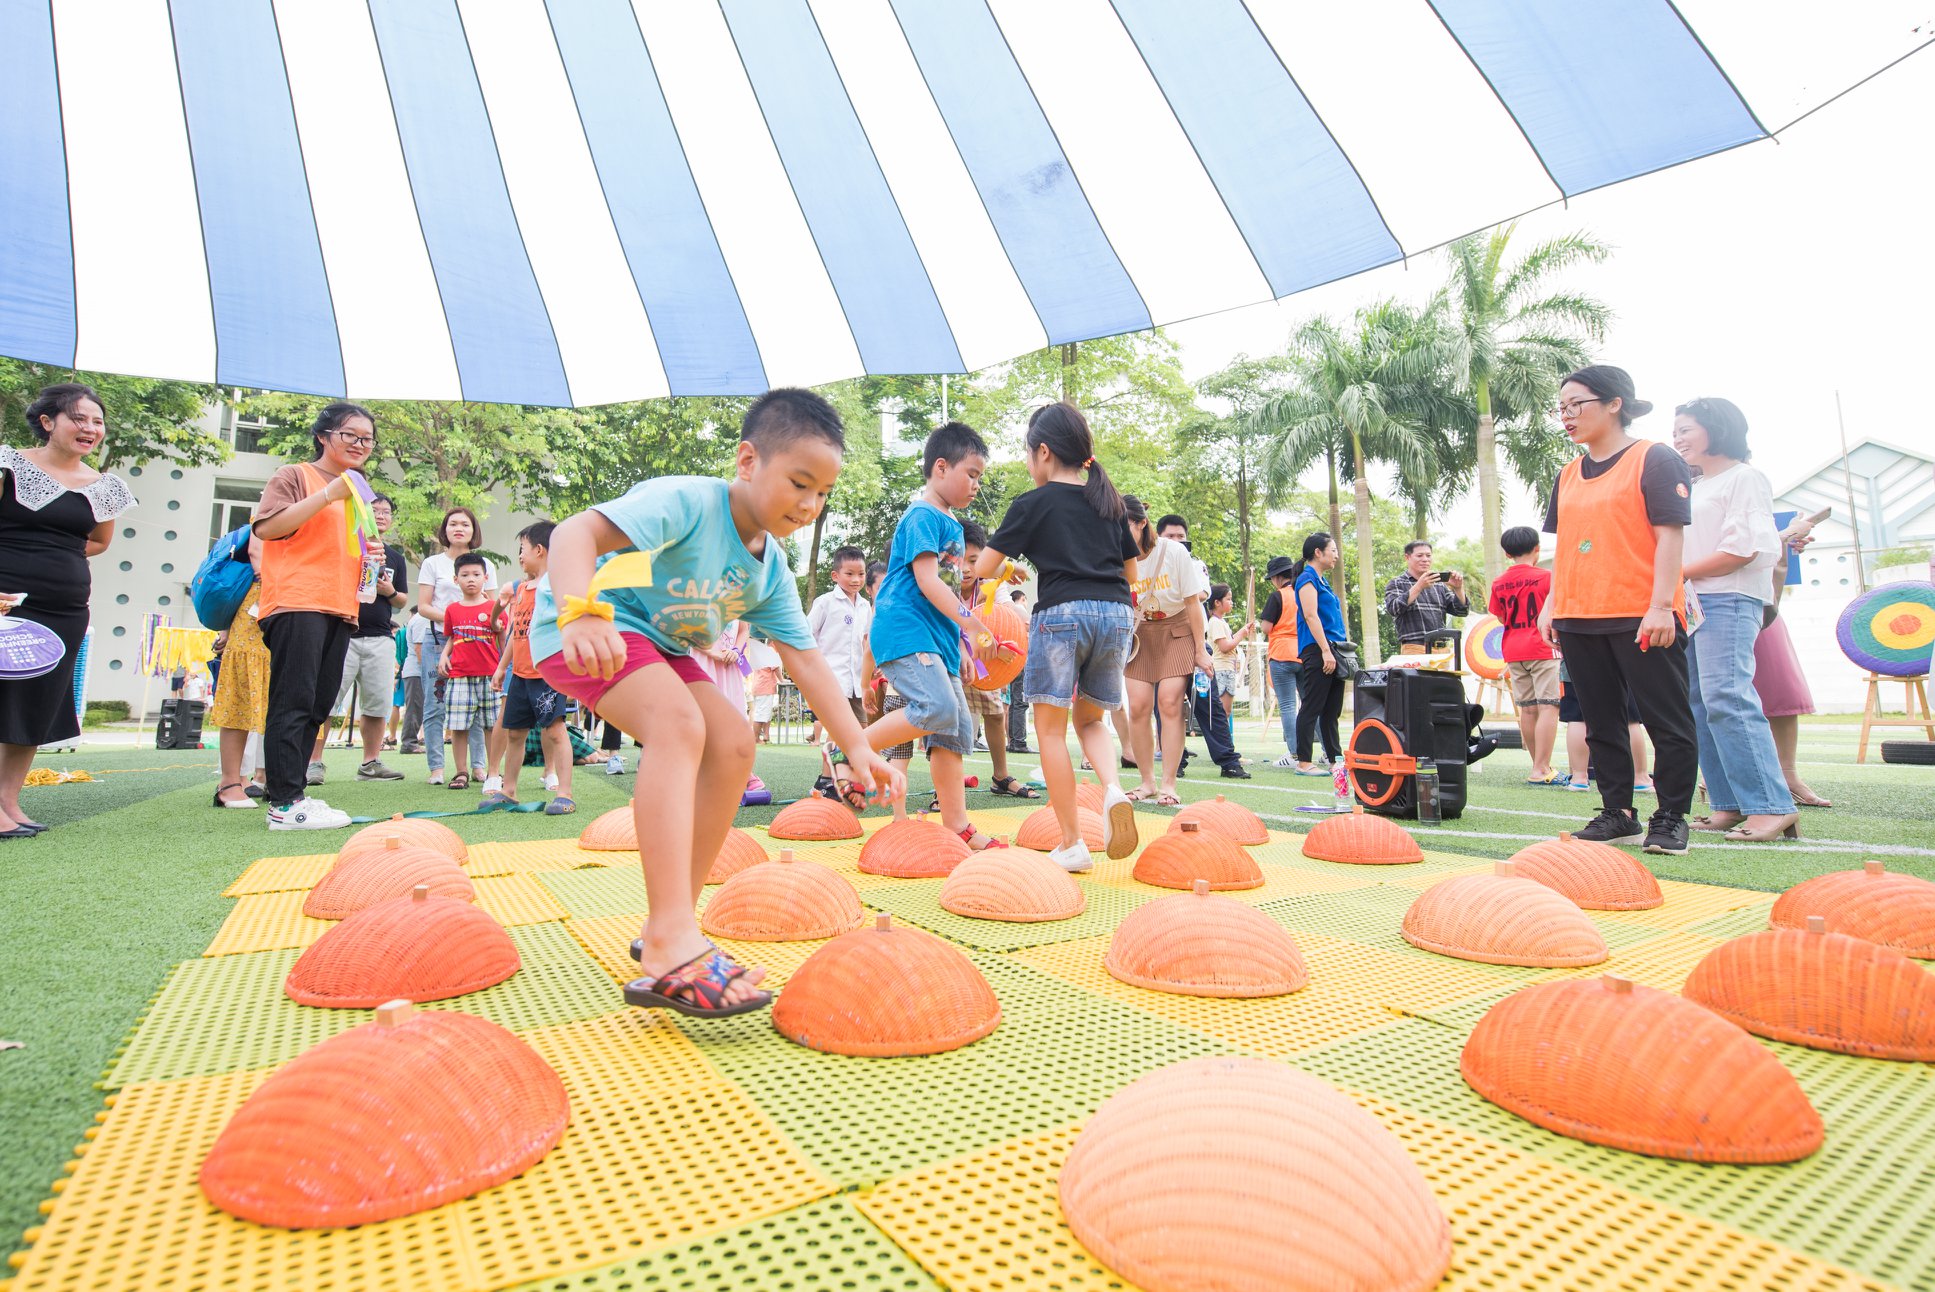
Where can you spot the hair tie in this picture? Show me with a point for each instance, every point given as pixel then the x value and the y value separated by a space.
pixel 1089 463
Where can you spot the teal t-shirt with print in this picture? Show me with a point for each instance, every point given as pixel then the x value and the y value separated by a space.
pixel 703 577
pixel 905 622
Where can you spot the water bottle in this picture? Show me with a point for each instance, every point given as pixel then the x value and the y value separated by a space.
pixel 1202 683
pixel 1429 810
pixel 1340 795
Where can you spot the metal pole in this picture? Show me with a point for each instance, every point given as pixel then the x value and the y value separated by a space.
pixel 1854 517
pixel 944 397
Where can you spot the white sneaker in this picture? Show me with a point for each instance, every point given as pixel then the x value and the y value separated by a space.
pixel 307 814
pixel 1287 763
pixel 436 777
pixel 1073 858
pixel 550 782
pixel 1118 824
pixel 493 785
pixel 615 765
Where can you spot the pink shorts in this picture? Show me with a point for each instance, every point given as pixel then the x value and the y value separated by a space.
pixel 589 688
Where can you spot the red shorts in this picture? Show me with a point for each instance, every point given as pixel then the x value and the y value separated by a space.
pixel 589 688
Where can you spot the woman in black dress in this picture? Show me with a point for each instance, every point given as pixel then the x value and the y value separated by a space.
pixel 55 512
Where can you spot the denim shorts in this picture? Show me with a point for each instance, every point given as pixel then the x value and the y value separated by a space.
pixel 936 702
pixel 530 702
pixel 1078 647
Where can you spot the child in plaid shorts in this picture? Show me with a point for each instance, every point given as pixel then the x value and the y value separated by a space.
pixel 470 663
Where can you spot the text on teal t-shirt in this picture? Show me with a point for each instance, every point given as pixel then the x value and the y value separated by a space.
pixel 905 622
pixel 703 577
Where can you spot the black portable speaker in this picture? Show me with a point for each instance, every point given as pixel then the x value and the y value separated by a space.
pixel 1404 714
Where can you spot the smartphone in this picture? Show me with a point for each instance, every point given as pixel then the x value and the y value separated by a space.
pixel 1820 515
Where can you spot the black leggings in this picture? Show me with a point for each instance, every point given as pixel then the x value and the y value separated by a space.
pixel 1320 696
pixel 1606 672
pixel 306 650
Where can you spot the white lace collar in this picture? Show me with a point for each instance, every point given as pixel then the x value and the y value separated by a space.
pixel 108 496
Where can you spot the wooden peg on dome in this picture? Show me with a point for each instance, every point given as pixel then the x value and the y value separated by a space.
pixel 786 854
pixel 391 843
pixel 1505 870
pixel 1191 827
pixel 1220 798
pixel 1201 887
pixel 1357 809
pixel 394 1013
pixel 1565 836
pixel 884 922
pixel 1619 986
pixel 396 816
pixel 1817 924
pixel 1874 867
pixel 421 893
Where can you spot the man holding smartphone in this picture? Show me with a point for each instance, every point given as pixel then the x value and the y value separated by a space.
pixel 370 666
pixel 1421 599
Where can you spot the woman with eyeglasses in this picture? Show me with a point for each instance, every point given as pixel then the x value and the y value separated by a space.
pixel 312 565
pixel 1731 549
pixel 1617 611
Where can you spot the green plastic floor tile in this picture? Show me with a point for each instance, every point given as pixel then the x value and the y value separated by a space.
pixel 1861 1201
pixel 587 894
pixel 1058 1053
pixel 822 1246
pixel 918 902
pixel 224 1013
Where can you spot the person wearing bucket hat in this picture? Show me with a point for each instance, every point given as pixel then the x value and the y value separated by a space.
pixel 1279 622
pixel 1617 611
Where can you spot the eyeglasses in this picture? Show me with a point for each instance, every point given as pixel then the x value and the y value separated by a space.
pixel 355 441
pixel 1572 406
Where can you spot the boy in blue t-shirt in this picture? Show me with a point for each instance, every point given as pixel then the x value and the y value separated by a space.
pixel 626 654
pixel 918 620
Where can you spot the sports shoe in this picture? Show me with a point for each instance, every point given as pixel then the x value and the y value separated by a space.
pixel 1613 827
pixel 307 814
pixel 615 765
pixel 255 790
pixel 493 785
pixel 374 770
pixel 1118 825
pixel 1236 774
pixel 316 774
pixel 1666 834
pixel 1073 857
pixel 550 782
pixel 436 777
pixel 1286 763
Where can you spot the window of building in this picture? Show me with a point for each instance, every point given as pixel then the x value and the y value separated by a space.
pixel 244 433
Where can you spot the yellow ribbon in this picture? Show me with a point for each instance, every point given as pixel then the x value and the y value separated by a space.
pixel 579 607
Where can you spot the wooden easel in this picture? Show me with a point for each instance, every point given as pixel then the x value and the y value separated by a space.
pixel 1495 696
pixel 1914 693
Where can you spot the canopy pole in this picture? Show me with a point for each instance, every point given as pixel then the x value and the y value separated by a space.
pixel 1854 517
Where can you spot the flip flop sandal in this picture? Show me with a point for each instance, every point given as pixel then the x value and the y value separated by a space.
pixel 1137 795
pixel 1010 787
pixel 696 988
pixel 969 835
pixel 459 782
pixel 1167 800
pixel 849 791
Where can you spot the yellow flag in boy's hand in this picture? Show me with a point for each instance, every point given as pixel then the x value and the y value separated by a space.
pixel 632 570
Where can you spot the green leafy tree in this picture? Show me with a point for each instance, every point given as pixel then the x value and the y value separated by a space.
pixel 599 453
pixel 1221 449
pixel 147 419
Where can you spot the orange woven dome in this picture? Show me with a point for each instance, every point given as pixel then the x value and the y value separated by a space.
pixel 1043 833
pixel 1499 919
pixel 1178 860
pixel 1007 626
pixel 814 818
pixel 1090 795
pixel 783 901
pixel 1197 944
pixel 1244 1174
pixel 417 947
pixel 414 831
pixel 1220 816
pixel 613 831
pixel 1597 876
pixel 1609 1062
pixel 1894 910
pixel 1012 884
pixel 913 849
pixel 378 874
pixel 739 852
pixel 1360 838
pixel 391 1118
pixel 885 990
pixel 1825 990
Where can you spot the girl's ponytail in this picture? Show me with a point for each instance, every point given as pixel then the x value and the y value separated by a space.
pixel 1064 430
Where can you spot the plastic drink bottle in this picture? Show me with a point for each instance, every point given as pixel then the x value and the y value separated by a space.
pixel 372 568
pixel 1430 812
pixel 1340 793
pixel 1202 682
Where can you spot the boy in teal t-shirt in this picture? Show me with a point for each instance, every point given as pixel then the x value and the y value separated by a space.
pixel 919 619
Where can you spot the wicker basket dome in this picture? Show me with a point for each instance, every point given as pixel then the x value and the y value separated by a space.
pixel 739 852
pixel 1178 860
pixel 413 831
pixel 814 818
pixel 1874 903
pixel 1198 944
pixel 783 901
pixel 374 875
pixel 1012 884
pixel 1609 1062
pixel 1596 876
pixel 1499 919
pixel 1244 1175
pixel 1042 832
pixel 913 849
pixel 886 989
pixel 419 947
pixel 1820 989
pixel 1220 816
pixel 1001 620
pixel 1091 795
pixel 1360 838
pixel 391 1118
pixel 613 831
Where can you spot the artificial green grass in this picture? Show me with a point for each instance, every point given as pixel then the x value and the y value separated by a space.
pixel 129 881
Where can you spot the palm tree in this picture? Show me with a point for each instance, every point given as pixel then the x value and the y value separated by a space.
pixel 1362 396
pixel 1514 342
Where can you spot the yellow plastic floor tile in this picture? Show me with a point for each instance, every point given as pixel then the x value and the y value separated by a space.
pixel 267 922
pixel 1689 904
pixel 134 1216
pixel 1662 962
pixel 281 874
pixel 517 899
pixel 530 856
pixel 609 938
pixel 1278 881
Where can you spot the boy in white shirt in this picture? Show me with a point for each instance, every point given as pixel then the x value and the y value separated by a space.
pixel 839 620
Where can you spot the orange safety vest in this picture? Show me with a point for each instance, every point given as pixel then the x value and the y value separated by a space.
pixel 1604 565
pixel 317 567
pixel 1283 633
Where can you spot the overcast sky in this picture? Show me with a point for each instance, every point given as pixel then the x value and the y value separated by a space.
pixel 1772 275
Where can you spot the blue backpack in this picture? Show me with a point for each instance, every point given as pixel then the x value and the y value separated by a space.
pixel 222 583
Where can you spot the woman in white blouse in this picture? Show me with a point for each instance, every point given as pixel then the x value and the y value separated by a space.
pixel 1730 548
pixel 459 532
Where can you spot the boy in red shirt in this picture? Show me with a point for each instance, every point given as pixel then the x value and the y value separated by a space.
pixel 529 700
pixel 1516 599
pixel 470 662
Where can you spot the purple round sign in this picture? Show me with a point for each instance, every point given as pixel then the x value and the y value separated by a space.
pixel 27 649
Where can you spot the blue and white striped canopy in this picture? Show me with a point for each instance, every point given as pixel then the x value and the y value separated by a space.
pixel 593 200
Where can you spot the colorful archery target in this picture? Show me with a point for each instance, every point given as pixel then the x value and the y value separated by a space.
pixel 1485 648
pixel 1891 629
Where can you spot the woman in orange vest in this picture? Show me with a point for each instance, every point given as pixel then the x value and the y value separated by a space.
pixel 1618 606
pixel 312 561
pixel 1279 620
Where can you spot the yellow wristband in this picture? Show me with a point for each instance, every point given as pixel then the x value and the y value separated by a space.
pixel 578 607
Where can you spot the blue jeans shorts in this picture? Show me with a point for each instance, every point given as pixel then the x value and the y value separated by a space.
pixel 529 702
pixel 936 702
pixel 1078 647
